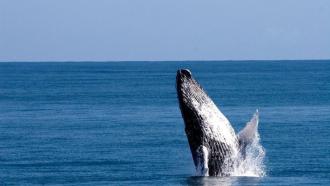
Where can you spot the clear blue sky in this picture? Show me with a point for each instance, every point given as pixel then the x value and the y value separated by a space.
pixel 75 30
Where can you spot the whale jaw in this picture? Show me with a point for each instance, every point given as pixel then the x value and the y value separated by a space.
pixel 211 138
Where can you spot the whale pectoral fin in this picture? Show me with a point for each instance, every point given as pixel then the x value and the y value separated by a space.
pixel 249 132
pixel 202 168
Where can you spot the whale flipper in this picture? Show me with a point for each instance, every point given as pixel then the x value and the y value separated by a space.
pixel 202 168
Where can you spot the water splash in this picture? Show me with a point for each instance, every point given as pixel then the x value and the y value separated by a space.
pixel 250 160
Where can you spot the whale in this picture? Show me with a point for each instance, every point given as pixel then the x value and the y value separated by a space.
pixel 213 143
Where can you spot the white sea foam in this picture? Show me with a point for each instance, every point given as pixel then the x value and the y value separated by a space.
pixel 251 163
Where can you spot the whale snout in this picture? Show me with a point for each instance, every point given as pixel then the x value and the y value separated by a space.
pixel 184 73
pixel 182 76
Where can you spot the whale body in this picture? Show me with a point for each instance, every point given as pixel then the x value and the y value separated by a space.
pixel 213 143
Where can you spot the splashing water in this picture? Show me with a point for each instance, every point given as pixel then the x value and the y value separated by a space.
pixel 251 161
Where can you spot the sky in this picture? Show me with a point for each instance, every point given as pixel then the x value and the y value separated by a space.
pixel 160 30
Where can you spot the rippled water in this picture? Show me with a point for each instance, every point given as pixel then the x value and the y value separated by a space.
pixel 119 123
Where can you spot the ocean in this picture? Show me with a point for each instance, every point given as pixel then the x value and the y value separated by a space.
pixel 119 123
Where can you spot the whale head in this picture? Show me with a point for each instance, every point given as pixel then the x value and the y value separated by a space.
pixel 190 94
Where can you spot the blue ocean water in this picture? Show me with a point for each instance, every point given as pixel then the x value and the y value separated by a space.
pixel 120 124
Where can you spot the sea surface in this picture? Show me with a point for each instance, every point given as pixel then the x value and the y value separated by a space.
pixel 118 123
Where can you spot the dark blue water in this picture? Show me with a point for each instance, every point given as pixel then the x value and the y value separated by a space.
pixel 119 123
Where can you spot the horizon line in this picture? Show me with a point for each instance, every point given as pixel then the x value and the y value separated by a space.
pixel 150 61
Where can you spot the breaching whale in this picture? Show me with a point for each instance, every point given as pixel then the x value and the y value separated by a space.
pixel 212 140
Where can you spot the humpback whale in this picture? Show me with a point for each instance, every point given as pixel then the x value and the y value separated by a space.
pixel 213 143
